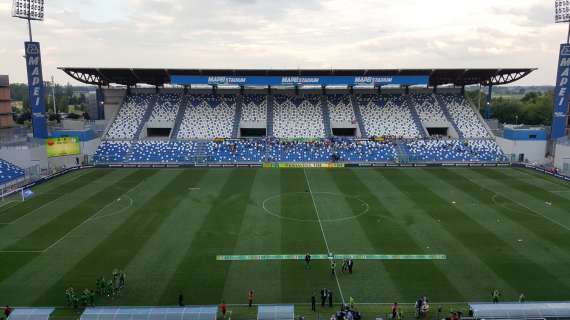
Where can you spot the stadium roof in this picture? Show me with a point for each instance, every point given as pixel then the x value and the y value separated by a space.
pixel 159 77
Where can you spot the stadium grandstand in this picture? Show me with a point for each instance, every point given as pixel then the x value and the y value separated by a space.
pixel 185 117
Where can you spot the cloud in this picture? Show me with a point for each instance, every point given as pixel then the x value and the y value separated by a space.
pixel 293 33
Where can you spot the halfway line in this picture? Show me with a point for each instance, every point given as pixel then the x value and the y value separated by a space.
pixel 322 231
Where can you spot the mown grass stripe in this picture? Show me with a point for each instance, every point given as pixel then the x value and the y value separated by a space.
pixel 301 236
pixel 14 261
pixel 531 190
pixel 393 238
pixel 157 260
pixel 126 241
pixel 542 176
pixel 198 275
pixel 45 198
pixel 518 271
pixel 260 232
pixel 531 222
pixel 54 230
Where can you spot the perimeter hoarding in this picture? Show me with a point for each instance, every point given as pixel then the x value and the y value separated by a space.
pixel 64 146
pixel 36 89
pixel 301 80
pixel 561 94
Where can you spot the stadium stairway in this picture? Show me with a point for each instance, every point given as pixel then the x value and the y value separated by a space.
pixel 201 155
pixel 403 156
pixel 326 116
pixel 237 116
pixel 448 116
pixel 270 102
pixel 152 103
pixel 129 153
pixel 358 114
pixel 179 116
pixel 415 116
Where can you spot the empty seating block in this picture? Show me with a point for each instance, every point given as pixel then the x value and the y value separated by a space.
pixel 465 117
pixel 254 108
pixel 129 117
pixel 153 151
pixel 9 172
pixel 297 117
pixel 341 109
pixel 166 108
pixel 387 116
pixel 428 109
pixel 454 150
pixel 253 150
pixel 112 151
pixel 208 117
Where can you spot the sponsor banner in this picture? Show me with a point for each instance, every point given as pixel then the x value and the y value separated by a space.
pixel 561 93
pixel 332 257
pixel 36 89
pixel 301 80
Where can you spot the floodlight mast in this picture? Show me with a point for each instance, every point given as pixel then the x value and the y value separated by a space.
pixel 28 10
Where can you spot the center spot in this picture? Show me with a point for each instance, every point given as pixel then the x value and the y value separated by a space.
pixel 298 206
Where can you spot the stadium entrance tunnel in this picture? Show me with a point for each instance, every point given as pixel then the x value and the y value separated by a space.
pixel 253 132
pixel 344 132
pixel 299 206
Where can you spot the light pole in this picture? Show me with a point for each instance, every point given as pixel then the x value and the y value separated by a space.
pixel 33 10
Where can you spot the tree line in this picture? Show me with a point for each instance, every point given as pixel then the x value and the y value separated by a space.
pixel 534 108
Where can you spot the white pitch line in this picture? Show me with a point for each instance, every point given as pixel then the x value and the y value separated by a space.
pixel 322 231
pixel 89 219
pixel 532 210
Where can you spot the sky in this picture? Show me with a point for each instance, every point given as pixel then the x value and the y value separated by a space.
pixel 364 34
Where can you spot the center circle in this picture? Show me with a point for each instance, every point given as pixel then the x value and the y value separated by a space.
pixel 300 206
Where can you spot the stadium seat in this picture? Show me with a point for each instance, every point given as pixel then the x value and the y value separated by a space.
pixel 465 117
pixel 208 117
pixel 166 108
pixel 9 172
pixel 112 151
pixel 297 117
pixel 254 108
pixel 387 115
pixel 129 117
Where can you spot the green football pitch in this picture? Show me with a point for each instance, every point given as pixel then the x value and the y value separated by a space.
pixel 497 228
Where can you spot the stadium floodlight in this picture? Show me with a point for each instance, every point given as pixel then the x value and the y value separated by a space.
pixel 28 10
pixel 562 11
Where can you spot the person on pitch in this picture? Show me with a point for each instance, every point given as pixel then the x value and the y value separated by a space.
pixel 350 265
pixel 496 295
pixel 333 267
pixel 344 267
pixel 313 303
pixel 324 295
pixel 250 297
pixel 223 309
pixel 307 261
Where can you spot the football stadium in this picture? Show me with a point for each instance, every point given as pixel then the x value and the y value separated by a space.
pixel 283 194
